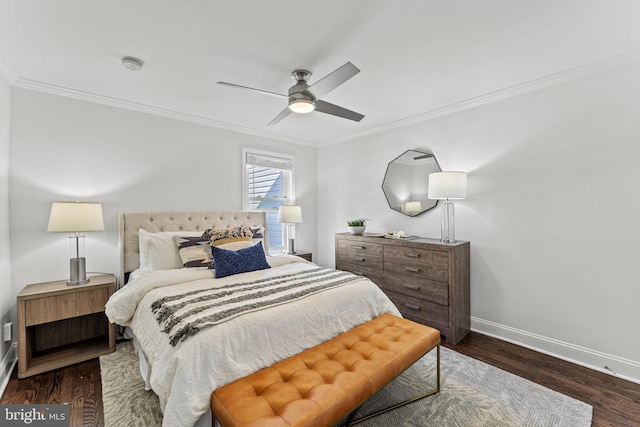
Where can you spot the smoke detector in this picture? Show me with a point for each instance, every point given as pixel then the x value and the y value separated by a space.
pixel 131 63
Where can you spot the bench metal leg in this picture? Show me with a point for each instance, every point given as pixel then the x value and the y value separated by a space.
pixel 398 405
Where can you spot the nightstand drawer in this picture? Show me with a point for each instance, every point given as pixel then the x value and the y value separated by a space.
pixel 57 307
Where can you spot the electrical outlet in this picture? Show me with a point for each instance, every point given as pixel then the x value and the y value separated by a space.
pixel 7 331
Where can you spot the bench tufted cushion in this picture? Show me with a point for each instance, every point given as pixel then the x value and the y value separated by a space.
pixel 319 386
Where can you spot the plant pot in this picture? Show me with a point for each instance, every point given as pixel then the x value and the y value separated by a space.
pixel 357 230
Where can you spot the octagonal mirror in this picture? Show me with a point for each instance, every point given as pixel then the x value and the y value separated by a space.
pixel 406 181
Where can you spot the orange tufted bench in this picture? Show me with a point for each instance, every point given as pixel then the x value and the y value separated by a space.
pixel 325 383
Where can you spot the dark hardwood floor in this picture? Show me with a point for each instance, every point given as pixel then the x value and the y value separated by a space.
pixel 78 385
pixel 616 402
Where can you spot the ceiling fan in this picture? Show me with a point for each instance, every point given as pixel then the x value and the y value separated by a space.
pixel 304 98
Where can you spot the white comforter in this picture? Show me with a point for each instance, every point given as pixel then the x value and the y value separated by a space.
pixel 185 375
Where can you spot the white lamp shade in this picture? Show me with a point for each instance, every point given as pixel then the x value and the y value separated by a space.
pixel 413 206
pixel 290 214
pixel 447 185
pixel 73 217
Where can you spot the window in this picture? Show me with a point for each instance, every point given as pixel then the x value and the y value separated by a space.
pixel 268 183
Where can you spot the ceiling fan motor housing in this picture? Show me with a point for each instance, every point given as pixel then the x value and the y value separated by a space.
pixel 300 99
pixel 300 89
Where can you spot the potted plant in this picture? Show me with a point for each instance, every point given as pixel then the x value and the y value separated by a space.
pixel 357 226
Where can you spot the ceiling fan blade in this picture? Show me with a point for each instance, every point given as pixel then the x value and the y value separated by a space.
pixel 266 92
pixel 284 113
pixel 328 108
pixel 333 80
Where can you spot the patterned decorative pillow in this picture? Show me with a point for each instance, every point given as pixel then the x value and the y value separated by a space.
pixel 194 251
pixel 223 236
pixel 258 234
pixel 242 261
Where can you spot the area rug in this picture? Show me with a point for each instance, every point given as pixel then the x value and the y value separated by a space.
pixel 473 394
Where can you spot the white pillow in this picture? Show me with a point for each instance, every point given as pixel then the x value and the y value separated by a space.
pixel 158 251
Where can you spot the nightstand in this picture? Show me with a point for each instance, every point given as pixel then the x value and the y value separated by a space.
pixel 306 255
pixel 59 325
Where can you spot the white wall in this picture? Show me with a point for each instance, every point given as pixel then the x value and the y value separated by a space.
pixel 6 303
pixel 552 213
pixel 65 149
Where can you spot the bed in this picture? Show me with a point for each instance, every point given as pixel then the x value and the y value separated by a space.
pixel 195 332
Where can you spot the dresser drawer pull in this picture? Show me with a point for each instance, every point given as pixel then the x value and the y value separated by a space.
pixel 412 269
pixel 410 255
pixel 412 287
pixel 362 248
pixel 412 306
pixel 363 260
pixel 358 273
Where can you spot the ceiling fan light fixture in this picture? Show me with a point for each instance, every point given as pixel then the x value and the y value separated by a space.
pixel 301 105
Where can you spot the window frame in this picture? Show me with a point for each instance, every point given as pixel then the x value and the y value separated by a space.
pixel 288 185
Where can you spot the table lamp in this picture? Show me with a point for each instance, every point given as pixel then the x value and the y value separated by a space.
pixel 447 186
pixel 290 215
pixel 413 207
pixel 76 217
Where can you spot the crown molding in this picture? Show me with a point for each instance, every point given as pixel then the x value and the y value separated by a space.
pixel 595 67
pixel 7 69
pixel 149 109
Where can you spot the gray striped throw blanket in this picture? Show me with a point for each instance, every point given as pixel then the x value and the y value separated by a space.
pixel 184 315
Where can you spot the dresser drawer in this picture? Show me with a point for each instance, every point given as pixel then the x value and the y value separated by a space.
pixel 358 247
pixel 372 273
pixel 363 259
pixel 424 289
pixel 411 255
pixel 434 272
pixel 427 313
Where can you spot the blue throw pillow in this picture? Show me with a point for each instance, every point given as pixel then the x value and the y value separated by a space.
pixel 228 262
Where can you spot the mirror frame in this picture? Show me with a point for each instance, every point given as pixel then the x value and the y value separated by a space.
pixel 425 203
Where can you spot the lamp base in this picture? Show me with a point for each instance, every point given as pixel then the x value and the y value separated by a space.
pixel 448 232
pixel 78 272
pixel 291 250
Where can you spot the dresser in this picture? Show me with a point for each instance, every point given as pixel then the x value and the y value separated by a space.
pixel 427 280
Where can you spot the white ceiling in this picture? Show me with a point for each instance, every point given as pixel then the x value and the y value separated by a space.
pixel 417 57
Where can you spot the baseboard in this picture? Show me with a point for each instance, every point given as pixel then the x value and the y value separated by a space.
pixel 8 363
pixel 589 358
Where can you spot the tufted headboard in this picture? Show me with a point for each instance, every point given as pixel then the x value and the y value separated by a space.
pixel 130 222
